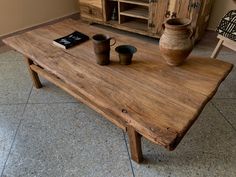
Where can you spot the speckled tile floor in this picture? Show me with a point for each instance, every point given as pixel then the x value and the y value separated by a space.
pixel 47 133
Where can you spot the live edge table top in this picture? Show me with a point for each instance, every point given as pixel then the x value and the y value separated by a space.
pixel 160 102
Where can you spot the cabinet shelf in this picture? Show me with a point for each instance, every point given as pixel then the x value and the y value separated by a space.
pixel 141 26
pixel 136 2
pixel 136 12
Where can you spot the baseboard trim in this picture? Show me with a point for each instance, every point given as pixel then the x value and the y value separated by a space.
pixel 211 29
pixel 74 15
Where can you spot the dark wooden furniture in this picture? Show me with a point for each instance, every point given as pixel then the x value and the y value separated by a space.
pixel 147 16
pixel 147 98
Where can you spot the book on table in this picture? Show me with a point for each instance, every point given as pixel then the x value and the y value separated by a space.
pixel 71 40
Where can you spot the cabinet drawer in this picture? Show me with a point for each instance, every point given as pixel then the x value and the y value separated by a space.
pixel 91 12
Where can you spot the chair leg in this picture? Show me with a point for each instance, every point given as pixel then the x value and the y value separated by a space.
pixel 217 49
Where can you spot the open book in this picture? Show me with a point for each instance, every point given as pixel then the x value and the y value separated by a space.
pixel 71 40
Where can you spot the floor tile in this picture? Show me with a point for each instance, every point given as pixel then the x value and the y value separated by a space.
pixel 4 48
pixel 228 56
pixel 59 140
pixel 228 108
pixel 49 93
pixel 209 40
pixel 201 52
pixel 15 82
pixel 10 117
pixel 208 149
pixel 228 87
pixel 16 90
pixel 10 55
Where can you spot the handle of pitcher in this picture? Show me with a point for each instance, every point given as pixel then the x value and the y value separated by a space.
pixel 114 41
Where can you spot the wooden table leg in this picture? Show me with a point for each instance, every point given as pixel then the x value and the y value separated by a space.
pixel 135 145
pixel 33 74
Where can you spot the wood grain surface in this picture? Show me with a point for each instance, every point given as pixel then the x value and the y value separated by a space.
pixel 160 102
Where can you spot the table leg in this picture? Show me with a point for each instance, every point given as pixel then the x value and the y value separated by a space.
pixel 135 145
pixel 33 74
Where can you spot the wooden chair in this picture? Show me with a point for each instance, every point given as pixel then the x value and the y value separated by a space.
pixel 223 41
pixel 226 33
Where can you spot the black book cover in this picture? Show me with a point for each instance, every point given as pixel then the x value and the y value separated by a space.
pixel 71 40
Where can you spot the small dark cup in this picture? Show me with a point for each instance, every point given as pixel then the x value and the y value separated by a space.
pixel 126 53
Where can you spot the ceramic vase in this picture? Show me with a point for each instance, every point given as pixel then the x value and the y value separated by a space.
pixel 176 43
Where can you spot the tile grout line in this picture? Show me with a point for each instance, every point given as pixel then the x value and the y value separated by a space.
pixel 4 166
pixel 132 169
pixel 11 104
pixel 224 116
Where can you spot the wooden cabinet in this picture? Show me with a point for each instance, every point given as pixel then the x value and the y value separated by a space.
pixel 196 10
pixel 157 13
pixel 91 10
pixel 146 16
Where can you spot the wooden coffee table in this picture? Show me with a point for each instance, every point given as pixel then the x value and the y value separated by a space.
pixel 147 98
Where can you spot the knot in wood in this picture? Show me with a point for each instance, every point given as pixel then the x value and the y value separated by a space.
pixel 124 111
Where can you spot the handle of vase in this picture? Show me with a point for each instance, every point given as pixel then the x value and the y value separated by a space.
pixel 163 26
pixel 192 32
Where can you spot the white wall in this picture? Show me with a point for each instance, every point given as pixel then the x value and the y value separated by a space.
pixel 220 8
pixel 19 14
